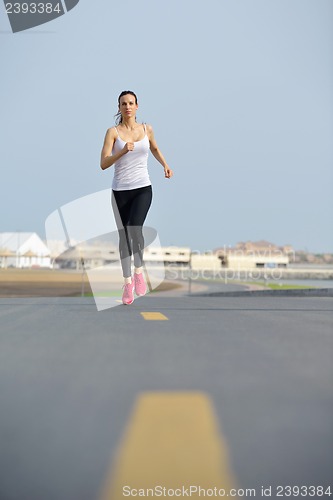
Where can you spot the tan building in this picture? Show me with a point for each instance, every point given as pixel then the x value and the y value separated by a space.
pixel 254 254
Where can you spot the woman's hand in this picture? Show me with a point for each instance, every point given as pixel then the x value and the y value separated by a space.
pixel 168 172
pixel 129 146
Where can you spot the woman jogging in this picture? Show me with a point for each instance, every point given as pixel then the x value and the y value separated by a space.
pixel 126 146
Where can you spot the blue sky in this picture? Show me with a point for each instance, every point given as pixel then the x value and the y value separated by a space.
pixel 239 94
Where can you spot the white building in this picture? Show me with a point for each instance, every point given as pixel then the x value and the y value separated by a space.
pixel 23 250
pixel 170 254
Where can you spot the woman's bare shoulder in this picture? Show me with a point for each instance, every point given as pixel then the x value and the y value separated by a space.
pixel 149 129
pixel 112 131
pixel 110 137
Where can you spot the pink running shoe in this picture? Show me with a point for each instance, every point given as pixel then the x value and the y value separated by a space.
pixel 140 285
pixel 128 296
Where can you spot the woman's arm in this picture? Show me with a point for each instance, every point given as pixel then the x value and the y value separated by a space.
pixel 157 153
pixel 107 160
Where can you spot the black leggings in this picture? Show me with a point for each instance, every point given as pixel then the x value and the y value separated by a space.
pixel 130 209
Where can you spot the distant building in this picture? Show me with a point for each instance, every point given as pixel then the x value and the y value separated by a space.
pixel 105 250
pixel 168 255
pixel 89 255
pixel 28 250
pixel 254 254
pixel 23 250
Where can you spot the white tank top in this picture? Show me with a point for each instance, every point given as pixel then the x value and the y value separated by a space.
pixel 131 170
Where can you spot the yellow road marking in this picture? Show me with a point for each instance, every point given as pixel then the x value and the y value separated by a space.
pixel 155 316
pixel 172 440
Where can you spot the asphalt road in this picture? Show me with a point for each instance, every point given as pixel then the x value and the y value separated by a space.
pixel 69 376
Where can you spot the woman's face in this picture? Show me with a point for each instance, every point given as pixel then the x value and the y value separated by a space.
pixel 127 106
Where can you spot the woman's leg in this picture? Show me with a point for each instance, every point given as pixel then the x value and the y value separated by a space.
pixel 121 204
pixel 130 208
pixel 138 213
